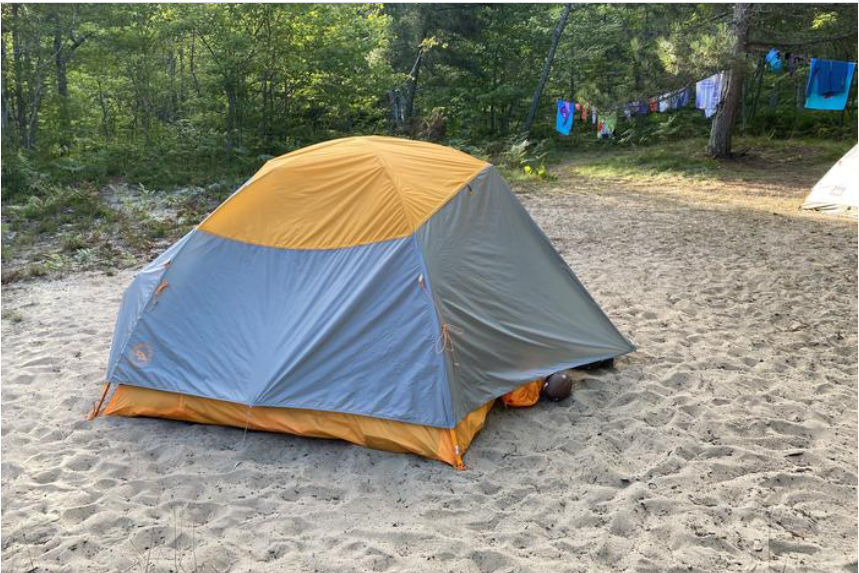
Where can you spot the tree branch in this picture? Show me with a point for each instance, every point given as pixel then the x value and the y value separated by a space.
pixel 767 44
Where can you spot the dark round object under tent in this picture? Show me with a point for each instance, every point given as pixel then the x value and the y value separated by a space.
pixel 557 387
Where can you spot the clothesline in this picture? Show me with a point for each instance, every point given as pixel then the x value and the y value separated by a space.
pixel 828 87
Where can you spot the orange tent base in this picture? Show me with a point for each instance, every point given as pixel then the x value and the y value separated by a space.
pixel 446 445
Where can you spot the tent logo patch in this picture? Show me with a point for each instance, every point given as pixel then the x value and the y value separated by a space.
pixel 141 354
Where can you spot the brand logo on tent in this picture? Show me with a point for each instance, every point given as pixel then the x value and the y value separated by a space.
pixel 141 354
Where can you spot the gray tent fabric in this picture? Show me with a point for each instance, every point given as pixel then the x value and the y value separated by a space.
pixel 336 330
pixel 422 329
pixel 512 309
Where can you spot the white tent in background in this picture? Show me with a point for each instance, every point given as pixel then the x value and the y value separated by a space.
pixel 838 190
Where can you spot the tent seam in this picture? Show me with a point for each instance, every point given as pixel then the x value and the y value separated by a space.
pixel 301 406
pixel 465 185
pixel 168 265
pixel 436 318
pixel 397 191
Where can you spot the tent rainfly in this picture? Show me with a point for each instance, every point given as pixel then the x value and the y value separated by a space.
pixel 372 289
pixel 838 191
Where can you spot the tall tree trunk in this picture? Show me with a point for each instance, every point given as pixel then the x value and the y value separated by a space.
pixel 773 101
pixel 18 59
pixel 63 53
pixel 492 105
pixel 505 119
pixel 413 87
pixel 759 78
pixel 62 87
pixel 193 70
pixel 5 126
pixel 35 107
pixel 231 115
pixel 547 67
pixel 722 129
pixel 105 110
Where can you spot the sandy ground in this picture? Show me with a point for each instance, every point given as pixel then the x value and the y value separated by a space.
pixel 726 443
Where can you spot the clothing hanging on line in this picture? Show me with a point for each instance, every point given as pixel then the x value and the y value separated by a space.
pixel 829 84
pixel 793 61
pixel 773 58
pixel 607 125
pixel 564 117
pixel 681 98
pixel 830 76
pixel 708 94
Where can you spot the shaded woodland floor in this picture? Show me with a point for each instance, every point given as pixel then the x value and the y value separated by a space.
pixel 727 442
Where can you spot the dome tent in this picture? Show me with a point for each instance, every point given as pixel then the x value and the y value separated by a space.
pixel 372 289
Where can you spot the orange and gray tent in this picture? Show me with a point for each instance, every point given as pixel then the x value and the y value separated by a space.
pixel 372 289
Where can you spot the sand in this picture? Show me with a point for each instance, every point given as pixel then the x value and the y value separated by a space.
pixel 727 442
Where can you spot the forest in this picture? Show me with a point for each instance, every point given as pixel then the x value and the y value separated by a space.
pixel 165 93
pixel 170 95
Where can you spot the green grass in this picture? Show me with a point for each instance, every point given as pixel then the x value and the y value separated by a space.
pixel 60 229
pixel 757 158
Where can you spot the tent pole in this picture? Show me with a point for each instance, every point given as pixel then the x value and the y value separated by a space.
pixel 97 407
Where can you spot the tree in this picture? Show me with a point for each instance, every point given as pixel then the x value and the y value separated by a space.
pixel 547 68
pixel 174 93
pixel 722 129
pixel 66 40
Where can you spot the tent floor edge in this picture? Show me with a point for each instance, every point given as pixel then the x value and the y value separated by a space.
pixel 447 445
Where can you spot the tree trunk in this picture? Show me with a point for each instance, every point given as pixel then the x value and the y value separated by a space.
pixel 492 105
pixel 800 95
pixel 35 106
pixel 722 129
pixel 547 67
pixel 231 115
pixel 105 110
pixel 505 119
pixel 62 87
pixel 413 87
pixel 5 126
pixel 18 59
pixel 193 71
pixel 759 78
pixel 397 110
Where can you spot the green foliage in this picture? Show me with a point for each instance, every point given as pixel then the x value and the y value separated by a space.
pixel 687 159
pixel 524 158
pixel 57 206
pixel 199 96
pixel 18 175
pixel 178 94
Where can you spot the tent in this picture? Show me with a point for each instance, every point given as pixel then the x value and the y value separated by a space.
pixel 838 190
pixel 372 289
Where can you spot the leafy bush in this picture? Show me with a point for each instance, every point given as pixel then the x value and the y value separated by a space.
pixel 527 157
pixel 18 175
